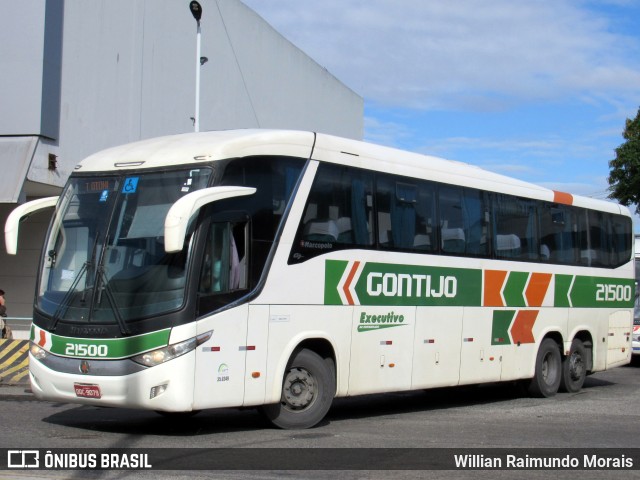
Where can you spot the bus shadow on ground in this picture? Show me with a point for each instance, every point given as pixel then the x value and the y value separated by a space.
pixel 142 422
pixel 438 399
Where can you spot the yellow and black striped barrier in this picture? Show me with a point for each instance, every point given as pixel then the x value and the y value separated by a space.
pixel 14 362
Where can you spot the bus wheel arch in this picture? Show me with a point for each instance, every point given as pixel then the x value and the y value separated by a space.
pixel 308 387
pixel 577 363
pixel 548 367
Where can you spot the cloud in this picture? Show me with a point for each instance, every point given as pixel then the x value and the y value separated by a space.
pixel 532 89
pixel 386 132
pixel 469 54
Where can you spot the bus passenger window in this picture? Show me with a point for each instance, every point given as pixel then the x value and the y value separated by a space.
pixel 338 214
pixel 597 252
pixel 463 221
pixel 451 231
pixel 406 209
pixel 620 240
pixel 515 228
pixel 557 234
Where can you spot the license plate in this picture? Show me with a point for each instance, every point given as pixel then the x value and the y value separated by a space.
pixel 86 390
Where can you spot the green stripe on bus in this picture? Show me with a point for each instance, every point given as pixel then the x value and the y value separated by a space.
pixel 393 284
pixel 594 292
pixel 386 284
pixel 108 348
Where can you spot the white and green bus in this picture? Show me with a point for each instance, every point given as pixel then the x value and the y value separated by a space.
pixel 282 269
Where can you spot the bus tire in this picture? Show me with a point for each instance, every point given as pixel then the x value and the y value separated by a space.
pixel 574 368
pixel 308 388
pixel 546 381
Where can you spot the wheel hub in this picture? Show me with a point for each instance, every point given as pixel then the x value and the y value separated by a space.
pixel 576 367
pixel 299 389
pixel 548 371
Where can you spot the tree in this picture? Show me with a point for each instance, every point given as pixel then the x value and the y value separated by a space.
pixel 624 177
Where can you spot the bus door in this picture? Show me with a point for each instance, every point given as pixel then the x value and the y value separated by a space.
pixel 220 362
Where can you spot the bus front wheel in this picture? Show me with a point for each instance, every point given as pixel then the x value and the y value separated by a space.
pixel 574 368
pixel 308 388
pixel 546 381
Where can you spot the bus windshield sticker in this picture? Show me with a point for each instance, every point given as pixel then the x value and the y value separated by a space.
pixel 130 185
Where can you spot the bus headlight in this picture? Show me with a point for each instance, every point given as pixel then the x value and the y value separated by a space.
pixel 164 354
pixel 38 352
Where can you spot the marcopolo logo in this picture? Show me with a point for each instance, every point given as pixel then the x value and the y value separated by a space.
pixel 369 283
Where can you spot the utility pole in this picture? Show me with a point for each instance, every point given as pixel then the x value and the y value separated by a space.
pixel 196 11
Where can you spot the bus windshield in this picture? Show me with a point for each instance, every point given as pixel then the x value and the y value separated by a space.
pixel 105 260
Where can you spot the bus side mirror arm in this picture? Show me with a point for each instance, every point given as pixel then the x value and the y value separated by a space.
pixel 12 224
pixel 181 212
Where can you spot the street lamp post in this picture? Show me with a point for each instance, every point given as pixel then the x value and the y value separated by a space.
pixel 196 11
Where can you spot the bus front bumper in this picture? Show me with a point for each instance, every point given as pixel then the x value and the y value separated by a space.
pixel 165 387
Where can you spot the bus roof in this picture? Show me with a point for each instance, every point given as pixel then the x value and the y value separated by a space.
pixel 193 148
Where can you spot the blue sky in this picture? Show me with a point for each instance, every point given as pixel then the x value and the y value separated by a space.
pixel 534 89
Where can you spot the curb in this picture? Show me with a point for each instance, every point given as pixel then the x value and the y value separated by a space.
pixel 14 362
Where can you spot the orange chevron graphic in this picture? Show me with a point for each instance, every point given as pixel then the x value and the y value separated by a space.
pixel 493 282
pixel 497 281
pixel 347 285
pixel 522 328
pixel 537 288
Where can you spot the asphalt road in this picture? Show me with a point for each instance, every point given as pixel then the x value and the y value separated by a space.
pixel 604 414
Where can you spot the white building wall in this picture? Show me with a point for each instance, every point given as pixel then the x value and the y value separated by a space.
pixel 78 76
pixel 21 67
pixel 129 73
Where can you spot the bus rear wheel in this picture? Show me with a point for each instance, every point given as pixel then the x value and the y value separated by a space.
pixel 546 381
pixel 574 368
pixel 308 388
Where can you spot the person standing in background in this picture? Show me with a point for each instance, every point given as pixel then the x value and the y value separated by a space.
pixel 6 330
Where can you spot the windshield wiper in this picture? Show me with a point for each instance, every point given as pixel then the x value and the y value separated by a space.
pixel 104 284
pixel 64 303
pixel 66 300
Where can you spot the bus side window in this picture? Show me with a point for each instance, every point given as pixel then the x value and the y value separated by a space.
pixel 338 213
pixel 405 212
pixel 224 267
pixel 515 228
pixel 598 251
pixel 559 229
pixel 463 222
pixel 620 240
pixel 451 226
pixel 475 218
